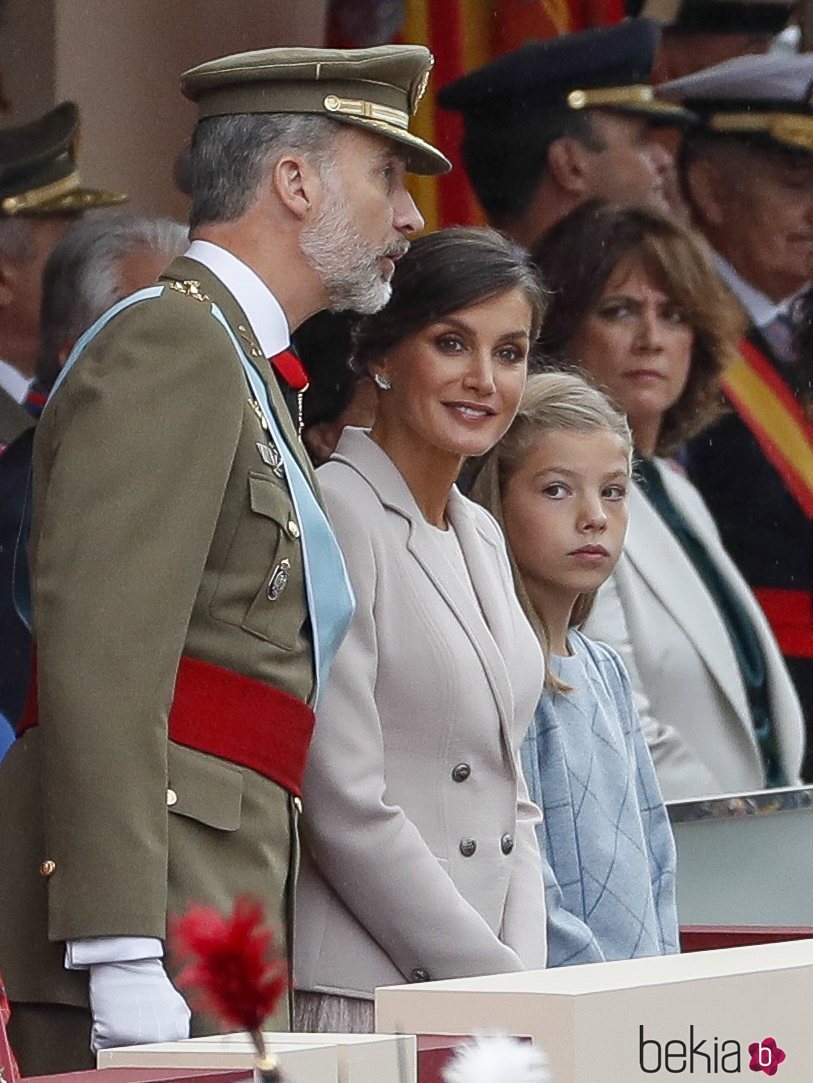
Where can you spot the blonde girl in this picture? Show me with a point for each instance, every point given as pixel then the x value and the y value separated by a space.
pixel 557 484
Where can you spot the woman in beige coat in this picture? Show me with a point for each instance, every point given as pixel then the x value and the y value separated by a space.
pixel 420 860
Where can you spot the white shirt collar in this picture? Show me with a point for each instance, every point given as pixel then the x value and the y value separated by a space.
pixel 758 305
pixel 264 311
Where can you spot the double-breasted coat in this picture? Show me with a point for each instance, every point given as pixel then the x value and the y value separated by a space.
pixel 420 858
pixel 158 521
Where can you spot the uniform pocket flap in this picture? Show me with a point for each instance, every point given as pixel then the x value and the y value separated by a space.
pixel 268 499
pixel 204 788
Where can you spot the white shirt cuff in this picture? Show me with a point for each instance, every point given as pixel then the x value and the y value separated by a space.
pixel 80 954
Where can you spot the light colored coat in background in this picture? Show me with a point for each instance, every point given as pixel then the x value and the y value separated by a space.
pixel 432 676
pixel 656 612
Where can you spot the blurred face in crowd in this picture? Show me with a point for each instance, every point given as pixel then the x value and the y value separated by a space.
pixel 565 510
pixel 636 343
pixel 21 291
pixel 364 224
pixel 135 271
pixel 456 384
pixel 631 169
pixel 756 208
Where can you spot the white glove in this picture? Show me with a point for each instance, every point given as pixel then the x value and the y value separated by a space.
pixel 133 1003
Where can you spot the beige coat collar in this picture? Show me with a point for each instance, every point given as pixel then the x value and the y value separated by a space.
pixel 488 624
pixel 671 576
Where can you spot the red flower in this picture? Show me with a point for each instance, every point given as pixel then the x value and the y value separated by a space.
pixel 231 963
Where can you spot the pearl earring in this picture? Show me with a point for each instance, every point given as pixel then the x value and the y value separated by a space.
pixel 382 382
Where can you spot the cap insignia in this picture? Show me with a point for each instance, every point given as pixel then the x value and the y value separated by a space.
pixel 418 89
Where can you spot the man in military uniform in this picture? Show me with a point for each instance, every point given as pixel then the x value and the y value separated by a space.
pixel 40 195
pixel 748 177
pixel 98 261
pixel 698 34
pixel 188 592
pixel 557 123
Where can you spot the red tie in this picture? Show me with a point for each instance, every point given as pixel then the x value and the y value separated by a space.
pixel 290 369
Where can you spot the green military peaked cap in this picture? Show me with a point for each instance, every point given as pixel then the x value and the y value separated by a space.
pixel 377 89
pixel 38 174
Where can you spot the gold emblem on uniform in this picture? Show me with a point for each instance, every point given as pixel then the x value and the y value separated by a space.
pixel 255 406
pixel 249 341
pixel 190 288
pixel 279 580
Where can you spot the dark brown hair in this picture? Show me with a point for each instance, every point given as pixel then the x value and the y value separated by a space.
pixel 446 272
pixel 578 256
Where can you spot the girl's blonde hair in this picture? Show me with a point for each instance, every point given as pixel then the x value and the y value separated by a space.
pixel 552 402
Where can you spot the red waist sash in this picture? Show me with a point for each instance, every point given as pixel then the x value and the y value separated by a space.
pixel 790 615
pixel 229 716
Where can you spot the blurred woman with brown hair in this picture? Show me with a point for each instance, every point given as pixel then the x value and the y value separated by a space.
pixel 636 304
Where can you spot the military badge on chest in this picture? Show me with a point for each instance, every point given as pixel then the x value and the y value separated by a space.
pixel 279 579
pixel 271 457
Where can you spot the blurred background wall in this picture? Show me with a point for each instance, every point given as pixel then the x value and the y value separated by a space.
pixel 120 61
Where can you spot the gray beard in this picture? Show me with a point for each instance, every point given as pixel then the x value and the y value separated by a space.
pixel 348 267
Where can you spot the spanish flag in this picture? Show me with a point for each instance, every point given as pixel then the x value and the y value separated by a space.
pixel 462 35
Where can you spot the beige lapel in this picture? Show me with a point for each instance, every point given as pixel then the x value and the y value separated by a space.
pixel 188 271
pixel 671 576
pixel 487 628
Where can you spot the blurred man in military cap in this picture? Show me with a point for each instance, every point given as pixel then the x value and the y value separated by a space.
pixel 748 177
pixel 559 122
pixel 40 195
pixel 188 592
pixel 698 34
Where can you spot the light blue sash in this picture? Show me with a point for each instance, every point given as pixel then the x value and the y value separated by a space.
pixel 330 596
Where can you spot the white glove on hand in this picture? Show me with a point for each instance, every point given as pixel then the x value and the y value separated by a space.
pixel 133 1003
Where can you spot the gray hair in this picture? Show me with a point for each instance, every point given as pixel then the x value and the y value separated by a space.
pixel 81 278
pixel 230 155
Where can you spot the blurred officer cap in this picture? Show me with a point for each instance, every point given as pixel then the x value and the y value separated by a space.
pixel 607 68
pixel 761 17
pixel 764 98
pixel 38 173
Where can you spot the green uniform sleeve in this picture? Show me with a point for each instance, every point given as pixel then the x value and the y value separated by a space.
pixel 135 460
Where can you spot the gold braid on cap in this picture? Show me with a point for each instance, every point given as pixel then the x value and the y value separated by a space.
pixel 356 107
pixel 35 197
pixel 793 129
pixel 640 94
pixel 620 97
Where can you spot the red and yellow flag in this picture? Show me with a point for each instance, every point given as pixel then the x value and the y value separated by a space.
pixel 462 35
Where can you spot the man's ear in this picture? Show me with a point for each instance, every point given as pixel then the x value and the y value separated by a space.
pixel 703 183
pixel 568 165
pixel 297 184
